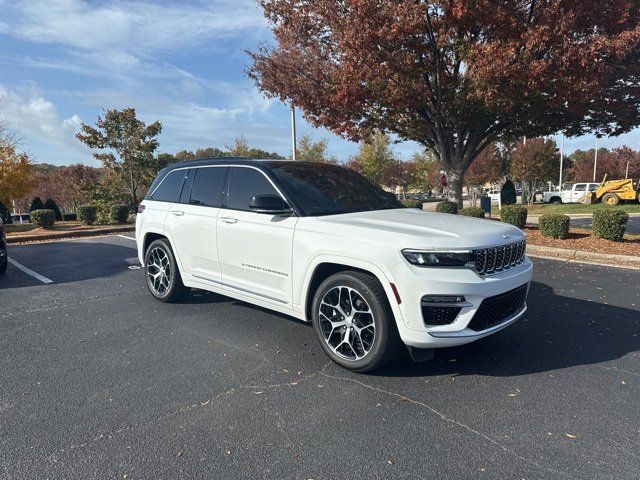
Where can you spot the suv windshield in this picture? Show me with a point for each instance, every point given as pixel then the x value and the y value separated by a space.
pixel 321 189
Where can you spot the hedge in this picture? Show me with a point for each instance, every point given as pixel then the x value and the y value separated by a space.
pixel 119 213
pixel 43 218
pixel 447 207
pixel 411 203
pixel 87 214
pixel 554 225
pixel 69 217
pixel 610 224
pixel 516 215
pixel 472 212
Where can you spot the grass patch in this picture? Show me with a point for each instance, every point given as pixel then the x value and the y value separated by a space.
pixel 575 208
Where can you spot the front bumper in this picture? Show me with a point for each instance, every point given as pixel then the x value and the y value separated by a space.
pixel 415 282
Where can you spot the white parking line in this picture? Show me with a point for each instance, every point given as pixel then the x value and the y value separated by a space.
pixel 125 236
pixel 28 271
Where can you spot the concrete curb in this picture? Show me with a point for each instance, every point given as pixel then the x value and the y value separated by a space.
pixel 67 235
pixel 582 256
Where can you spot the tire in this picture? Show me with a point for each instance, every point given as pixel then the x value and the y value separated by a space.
pixel 556 200
pixel 161 272
pixel 372 338
pixel 611 199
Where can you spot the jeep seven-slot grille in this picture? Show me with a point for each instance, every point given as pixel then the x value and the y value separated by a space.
pixel 495 310
pixel 498 259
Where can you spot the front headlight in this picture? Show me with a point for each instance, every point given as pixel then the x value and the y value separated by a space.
pixel 426 258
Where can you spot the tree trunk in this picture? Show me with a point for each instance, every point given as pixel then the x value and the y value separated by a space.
pixel 454 180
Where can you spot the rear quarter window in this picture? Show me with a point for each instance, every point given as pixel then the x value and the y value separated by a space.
pixel 170 187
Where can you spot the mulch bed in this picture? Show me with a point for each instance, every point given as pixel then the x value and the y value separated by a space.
pixel 583 239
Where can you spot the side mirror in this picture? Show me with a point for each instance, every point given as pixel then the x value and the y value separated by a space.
pixel 269 204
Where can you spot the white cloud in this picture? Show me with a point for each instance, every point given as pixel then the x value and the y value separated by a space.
pixel 47 135
pixel 128 26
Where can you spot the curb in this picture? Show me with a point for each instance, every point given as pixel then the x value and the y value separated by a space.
pixel 584 257
pixel 68 235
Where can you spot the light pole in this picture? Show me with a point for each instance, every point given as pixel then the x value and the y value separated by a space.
pixel 595 161
pixel 561 160
pixel 293 132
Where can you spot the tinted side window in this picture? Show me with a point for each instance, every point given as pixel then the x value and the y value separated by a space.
pixel 170 187
pixel 581 187
pixel 207 186
pixel 244 184
pixel 593 187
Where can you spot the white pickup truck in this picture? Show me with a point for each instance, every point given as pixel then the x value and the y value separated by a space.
pixel 569 194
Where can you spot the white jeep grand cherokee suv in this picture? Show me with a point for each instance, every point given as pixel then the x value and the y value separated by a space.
pixel 321 243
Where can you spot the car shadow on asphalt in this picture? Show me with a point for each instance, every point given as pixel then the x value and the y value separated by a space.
pixel 556 332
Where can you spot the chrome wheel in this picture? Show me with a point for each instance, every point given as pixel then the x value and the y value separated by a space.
pixel 158 271
pixel 347 323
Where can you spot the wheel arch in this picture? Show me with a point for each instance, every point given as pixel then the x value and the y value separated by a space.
pixel 325 267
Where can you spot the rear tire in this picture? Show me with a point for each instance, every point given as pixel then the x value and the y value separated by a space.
pixel 354 322
pixel 161 272
pixel 4 264
pixel 555 200
pixel 611 199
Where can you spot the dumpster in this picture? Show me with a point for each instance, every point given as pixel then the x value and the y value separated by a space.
pixel 485 204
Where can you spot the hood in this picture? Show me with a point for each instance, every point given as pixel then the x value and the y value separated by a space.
pixel 420 229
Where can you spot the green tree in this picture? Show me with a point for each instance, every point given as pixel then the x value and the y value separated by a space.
pixel 425 171
pixel 376 156
pixel 311 151
pixel 36 204
pixel 50 204
pixel 127 146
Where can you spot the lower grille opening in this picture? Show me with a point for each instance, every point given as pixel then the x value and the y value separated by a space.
pixel 433 315
pixel 495 310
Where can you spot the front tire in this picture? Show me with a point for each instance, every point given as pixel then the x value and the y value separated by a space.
pixel 354 322
pixel 161 272
pixel 611 199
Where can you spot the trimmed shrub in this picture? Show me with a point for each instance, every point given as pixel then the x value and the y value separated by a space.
pixel 447 207
pixel 508 193
pixel 610 224
pixel 516 215
pixel 119 213
pixel 43 218
pixel 36 204
pixel 87 214
pixel 411 203
pixel 5 214
pixel 69 217
pixel 472 212
pixel 50 204
pixel 554 225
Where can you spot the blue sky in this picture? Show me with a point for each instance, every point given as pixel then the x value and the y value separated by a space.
pixel 63 61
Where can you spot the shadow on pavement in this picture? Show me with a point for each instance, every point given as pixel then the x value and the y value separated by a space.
pixel 557 332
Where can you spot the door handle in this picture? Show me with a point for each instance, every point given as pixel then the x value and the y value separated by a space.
pixel 177 213
pixel 229 219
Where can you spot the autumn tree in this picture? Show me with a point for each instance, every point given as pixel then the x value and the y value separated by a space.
pixel 455 75
pixel 583 162
pixel 313 151
pixel 623 159
pixel 127 146
pixel 485 169
pixel 400 174
pixel 376 157
pixel 535 161
pixel 17 174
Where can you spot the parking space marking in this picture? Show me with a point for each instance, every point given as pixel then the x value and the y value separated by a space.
pixel 30 272
pixel 125 236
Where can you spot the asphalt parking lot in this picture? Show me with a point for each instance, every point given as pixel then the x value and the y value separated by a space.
pixel 98 380
pixel 633 225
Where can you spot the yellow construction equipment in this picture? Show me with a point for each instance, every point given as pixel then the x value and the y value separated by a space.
pixel 610 192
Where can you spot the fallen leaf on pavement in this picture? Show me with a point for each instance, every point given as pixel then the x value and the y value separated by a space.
pixel 259 392
pixel 568 435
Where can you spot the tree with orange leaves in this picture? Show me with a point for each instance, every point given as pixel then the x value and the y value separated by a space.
pixel 455 75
